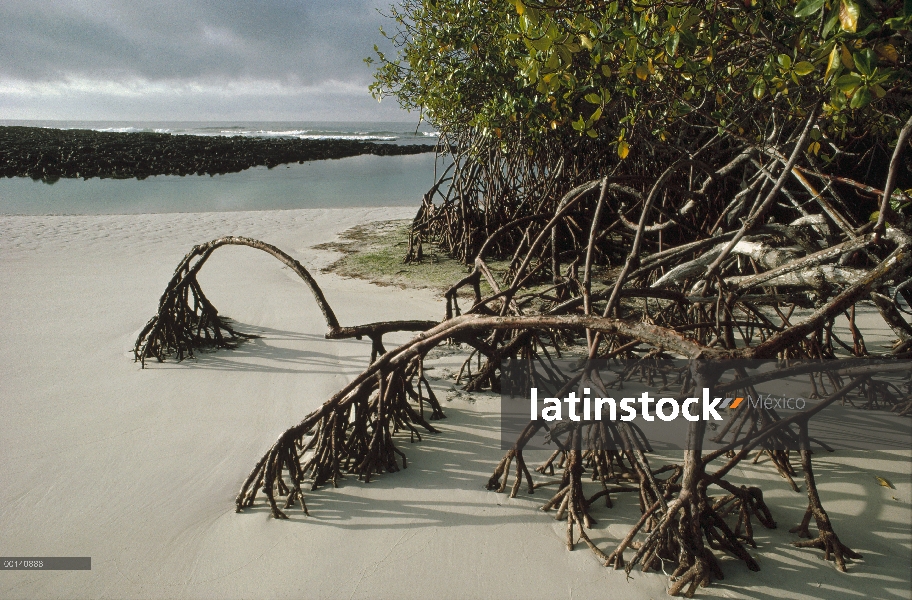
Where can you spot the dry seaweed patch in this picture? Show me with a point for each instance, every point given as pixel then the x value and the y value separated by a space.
pixel 374 251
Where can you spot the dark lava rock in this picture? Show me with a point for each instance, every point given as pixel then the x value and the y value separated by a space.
pixel 51 154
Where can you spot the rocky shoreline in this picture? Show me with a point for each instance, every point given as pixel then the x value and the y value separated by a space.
pixel 52 154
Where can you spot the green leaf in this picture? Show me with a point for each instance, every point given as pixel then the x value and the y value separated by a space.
pixel 830 24
pixel 803 68
pixel 808 7
pixel 593 98
pixel 784 60
pixel 863 62
pixel 898 23
pixel 542 43
pixel 759 89
pixel 848 83
pixel 861 98
pixel 671 44
pixel 595 116
pixel 553 61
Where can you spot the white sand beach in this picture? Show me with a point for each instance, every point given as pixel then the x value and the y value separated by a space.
pixel 138 469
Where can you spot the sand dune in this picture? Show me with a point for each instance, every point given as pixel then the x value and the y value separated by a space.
pixel 138 468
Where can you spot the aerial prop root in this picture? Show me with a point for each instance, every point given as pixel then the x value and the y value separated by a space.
pixel 352 433
pixel 187 320
pixel 826 539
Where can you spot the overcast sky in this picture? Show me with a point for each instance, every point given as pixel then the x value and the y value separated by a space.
pixel 191 60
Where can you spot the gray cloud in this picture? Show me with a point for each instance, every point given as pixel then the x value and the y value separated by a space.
pixel 203 58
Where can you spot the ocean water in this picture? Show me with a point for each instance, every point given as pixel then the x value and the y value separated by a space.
pixel 349 182
pixel 376 131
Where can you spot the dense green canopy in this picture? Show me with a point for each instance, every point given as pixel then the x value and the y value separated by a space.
pixel 645 73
